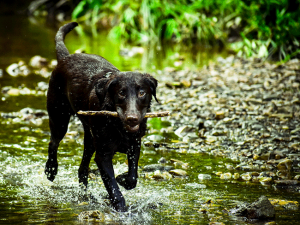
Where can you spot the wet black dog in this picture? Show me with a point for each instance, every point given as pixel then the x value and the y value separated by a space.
pixel 89 82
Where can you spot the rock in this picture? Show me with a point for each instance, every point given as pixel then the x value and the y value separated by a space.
pixel 286 182
pixel 218 173
pixel 178 163
pixel 265 180
pixel 285 164
pixel 14 92
pixel 178 172
pixel 297 177
pixel 162 160
pixel 236 176
pixel 195 186
pixel 284 204
pixel 260 209
pixel 186 83
pixel 204 176
pixel 161 176
pixel 38 62
pixel 246 176
pixel 220 115
pixel 225 176
pixel 92 215
pixel 183 131
pixel 13 70
pixel 154 167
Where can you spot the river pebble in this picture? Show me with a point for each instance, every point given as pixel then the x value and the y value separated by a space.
pixel 94 215
pixel 26 116
pixel 178 172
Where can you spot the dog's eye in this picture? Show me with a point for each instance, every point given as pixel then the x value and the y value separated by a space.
pixel 122 94
pixel 142 93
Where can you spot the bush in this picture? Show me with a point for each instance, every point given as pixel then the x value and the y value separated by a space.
pixel 263 28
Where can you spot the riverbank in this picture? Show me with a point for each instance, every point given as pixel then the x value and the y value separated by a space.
pixel 245 110
pixel 233 135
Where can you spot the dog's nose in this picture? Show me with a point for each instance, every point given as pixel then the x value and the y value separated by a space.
pixel 131 118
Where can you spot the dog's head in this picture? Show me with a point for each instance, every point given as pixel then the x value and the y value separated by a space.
pixel 131 94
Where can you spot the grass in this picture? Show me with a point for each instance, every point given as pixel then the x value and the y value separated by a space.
pixel 260 28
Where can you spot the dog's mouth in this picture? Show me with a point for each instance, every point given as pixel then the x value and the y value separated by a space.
pixel 132 128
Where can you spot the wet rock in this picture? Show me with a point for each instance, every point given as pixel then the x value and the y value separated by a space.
pixel 204 176
pixel 17 69
pixel 38 62
pixel 13 70
pixel 297 177
pixel 265 180
pixel 286 182
pixel 178 172
pixel 226 176
pixel 195 186
pixel 177 163
pixel 220 115
pixel 236 176
pixel 284 204
pixel 285 164
pixel 14 92
pixel 161 176
pixel 154 167
pixel 261 209
pixel 43 86
pixel 246 176
pixel 183 131
pixel 27 116
pixel 94 215
pixel 186 83
pixel 162 160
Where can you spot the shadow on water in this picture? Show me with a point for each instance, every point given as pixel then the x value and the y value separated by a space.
pixel 27 197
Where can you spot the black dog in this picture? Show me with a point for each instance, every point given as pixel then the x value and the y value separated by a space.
pixel 89 82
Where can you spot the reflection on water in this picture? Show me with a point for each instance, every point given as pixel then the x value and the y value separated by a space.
pixel 24 38
pixel 26 196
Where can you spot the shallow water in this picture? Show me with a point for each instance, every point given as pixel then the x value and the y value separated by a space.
pixel 27 197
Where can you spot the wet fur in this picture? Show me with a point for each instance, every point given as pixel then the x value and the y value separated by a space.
pixel 89 82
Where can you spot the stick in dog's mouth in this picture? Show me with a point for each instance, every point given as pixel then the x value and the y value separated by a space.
pixel 115 114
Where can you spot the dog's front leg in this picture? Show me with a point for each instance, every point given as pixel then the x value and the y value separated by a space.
pixel 129 179
pixel 104 163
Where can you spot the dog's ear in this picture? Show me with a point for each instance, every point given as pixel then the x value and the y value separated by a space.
pixel 103 86
pixel 152 82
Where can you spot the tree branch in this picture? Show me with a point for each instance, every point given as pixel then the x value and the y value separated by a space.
pixel 115 114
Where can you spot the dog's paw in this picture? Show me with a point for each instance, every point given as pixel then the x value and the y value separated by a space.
pixel 126 181
pixel 51 170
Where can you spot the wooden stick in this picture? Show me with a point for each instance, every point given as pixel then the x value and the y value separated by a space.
pixel 115 114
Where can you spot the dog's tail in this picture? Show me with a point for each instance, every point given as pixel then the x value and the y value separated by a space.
pixel 61 49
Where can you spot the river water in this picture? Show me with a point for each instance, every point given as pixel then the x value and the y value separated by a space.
pixel 27 197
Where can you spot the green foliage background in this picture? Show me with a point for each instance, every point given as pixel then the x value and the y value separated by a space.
pixel 262 28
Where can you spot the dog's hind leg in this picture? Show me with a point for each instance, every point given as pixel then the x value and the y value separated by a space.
pixel 89 150
pixel 59 116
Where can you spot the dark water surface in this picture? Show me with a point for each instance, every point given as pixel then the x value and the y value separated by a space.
pixel 27 197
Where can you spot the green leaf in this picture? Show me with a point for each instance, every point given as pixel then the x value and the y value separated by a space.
pixel 79 9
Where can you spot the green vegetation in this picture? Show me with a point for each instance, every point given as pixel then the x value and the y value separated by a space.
pixel 262 28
